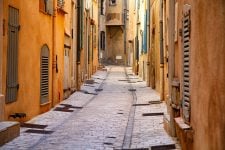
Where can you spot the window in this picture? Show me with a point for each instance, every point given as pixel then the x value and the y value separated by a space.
pixel 12 85
pixel 46 6
pixel 112 2
pixel 102 44
pixel 186 101
pixel 44 88
pixel 102 7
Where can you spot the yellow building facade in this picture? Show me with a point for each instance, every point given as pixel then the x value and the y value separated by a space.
pixel 32 57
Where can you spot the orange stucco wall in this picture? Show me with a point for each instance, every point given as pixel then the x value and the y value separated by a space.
pixel 155 46
pixel 207 73
pixel 35 31
pixel 59 52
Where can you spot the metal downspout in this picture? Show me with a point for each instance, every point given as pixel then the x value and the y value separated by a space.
pixel 78 43
pixel 125 30
pixel 53 51
pixel 161 53
pixel 171 62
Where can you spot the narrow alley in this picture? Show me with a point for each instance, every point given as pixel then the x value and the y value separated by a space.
pixel 112 74
pixel 118 111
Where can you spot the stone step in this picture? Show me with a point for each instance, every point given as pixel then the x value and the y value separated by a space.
pixel 8 131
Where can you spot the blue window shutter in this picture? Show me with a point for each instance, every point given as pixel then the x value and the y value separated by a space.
pixel 145 34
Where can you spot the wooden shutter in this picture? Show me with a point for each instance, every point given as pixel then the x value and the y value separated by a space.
pixel 49 7
pixel 44 74
pixel 12 55
pixel 102 40
pixel 186 62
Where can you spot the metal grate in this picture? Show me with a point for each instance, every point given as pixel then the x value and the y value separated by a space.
pixel 132 90
pixel 98 90
pixel 186 63
pixel 163 147
pixel 141 104
pixel 71 106
pixel 29 125
pixel 63 109
pixel 155 102
pixel 153 114
pixel 39 131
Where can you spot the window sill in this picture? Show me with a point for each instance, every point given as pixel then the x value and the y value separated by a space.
pixel 44 104
pixel 45 13
pixel 182 125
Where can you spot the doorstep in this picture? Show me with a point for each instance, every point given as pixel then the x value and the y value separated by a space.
pixel 8 131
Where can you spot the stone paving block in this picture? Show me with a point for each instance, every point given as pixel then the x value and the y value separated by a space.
pixel 102 116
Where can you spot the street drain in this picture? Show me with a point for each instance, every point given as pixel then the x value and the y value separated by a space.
pixel 120 113
pixel 132 82
pixel 139 81
pixel 63 109
pixel 141 104
pixel 155 102
pixel 106 143
pixel 163 147
pixel 29 125
pixel 39 131
pixel 98 90
pixel 86 92
pixel 66 106
pixel 153 114
pixel 111 137
pixel 132 90
pixel 124 80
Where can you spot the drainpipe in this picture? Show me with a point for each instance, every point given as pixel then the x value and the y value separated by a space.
pixel 125 30
pixel 149 41
pixel 161 53
pixel 171 48
pixel 92 43
pixel 2 101
pixel 79 17
pixel 53 51
pixel 1 42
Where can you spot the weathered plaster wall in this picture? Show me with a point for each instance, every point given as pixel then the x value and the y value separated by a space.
pixel 155 46
pixel 208 74
pixel 35 31
pixel 115 44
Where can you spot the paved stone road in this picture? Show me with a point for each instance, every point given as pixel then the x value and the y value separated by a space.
pixel 107 120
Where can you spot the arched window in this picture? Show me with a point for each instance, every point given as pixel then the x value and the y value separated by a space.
pixel 44 88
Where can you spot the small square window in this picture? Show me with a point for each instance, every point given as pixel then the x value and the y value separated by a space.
pixel 112 2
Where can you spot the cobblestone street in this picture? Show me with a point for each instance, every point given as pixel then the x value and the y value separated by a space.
pixel 113 113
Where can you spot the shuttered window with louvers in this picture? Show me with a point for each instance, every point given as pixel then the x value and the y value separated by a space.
pixel 12 85
pixel 44 91
pixel 186 63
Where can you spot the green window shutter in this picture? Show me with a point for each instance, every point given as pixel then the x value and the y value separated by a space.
pixel 12 55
